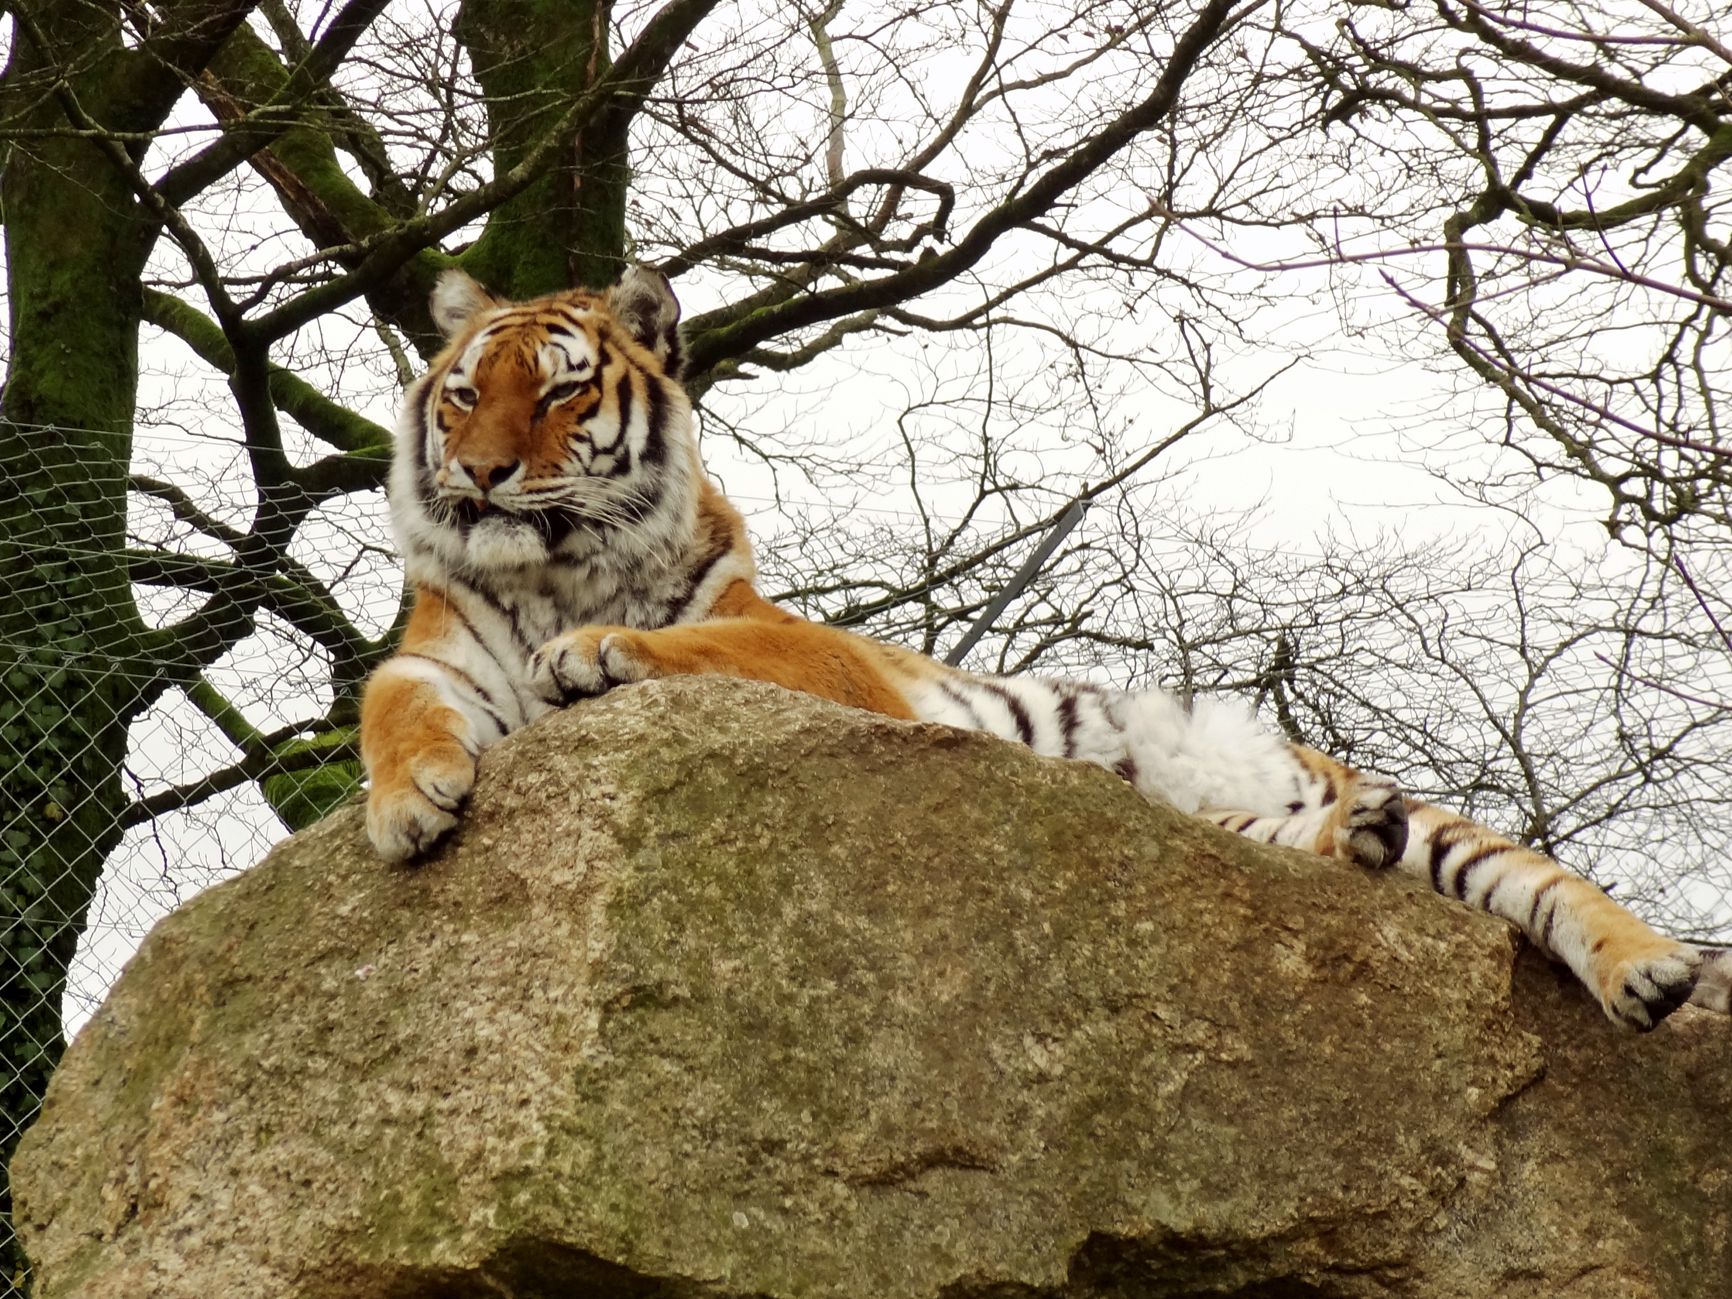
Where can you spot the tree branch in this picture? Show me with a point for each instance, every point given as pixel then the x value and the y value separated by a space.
pixel 246 135
pixel 727 333
pixel 628 81
pixel 308 406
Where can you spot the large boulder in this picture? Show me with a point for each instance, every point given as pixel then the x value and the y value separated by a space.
pixel 725 991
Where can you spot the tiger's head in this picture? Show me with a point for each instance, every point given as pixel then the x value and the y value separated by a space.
pixel 547 431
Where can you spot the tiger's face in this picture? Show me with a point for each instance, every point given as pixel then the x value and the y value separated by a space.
pixel 548 425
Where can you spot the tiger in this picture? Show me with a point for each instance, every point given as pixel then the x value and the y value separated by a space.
pixel 562 538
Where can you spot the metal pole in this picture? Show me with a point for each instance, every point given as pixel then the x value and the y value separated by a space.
pixel 1024 575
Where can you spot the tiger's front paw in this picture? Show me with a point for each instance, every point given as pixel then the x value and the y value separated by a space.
pixel 1371 828
pixel 587 662
pixel 414 801
pixel 1641 989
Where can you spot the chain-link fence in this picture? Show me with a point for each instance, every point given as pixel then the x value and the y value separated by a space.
pixel 174 698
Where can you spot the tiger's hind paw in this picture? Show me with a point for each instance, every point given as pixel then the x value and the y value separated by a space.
pixel 1713 990
pixel 1371 828
pixel 1640 992
pixel 587 662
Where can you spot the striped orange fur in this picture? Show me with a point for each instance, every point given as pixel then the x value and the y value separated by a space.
pixel 563 539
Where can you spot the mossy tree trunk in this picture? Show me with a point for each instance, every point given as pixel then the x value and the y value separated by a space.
pixel 532 58
pixel 70 636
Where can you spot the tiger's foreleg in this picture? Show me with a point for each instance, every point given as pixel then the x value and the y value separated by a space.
pixel 420 757
pixel 425 715
pixel 798 655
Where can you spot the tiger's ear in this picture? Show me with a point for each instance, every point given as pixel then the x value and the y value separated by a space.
pixel 456 298
pixel 643 303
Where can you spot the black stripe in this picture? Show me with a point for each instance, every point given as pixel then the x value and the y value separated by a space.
pixel 1441 843
pixel 1067 720
pixel 518 315
pixel 1466 867
pixel 462 678
pixel 415 399
pixel 620 448
pixel 655 443
pixel 514 623
pixel 463 620
pixel 674 360
pixel 957 697
pixel 1018 714
pixel 621 385
pixel 1545 937
pixel 679 606
pixel 569 331
pixel 1539 897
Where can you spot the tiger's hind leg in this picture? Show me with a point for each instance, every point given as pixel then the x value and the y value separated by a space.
pixel 1638 975
pixel 1214 758
pixel 1359 818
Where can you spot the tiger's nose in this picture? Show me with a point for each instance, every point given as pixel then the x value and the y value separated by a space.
pixel 486 474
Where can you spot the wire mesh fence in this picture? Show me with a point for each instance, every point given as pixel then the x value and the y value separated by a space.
pixel 172 702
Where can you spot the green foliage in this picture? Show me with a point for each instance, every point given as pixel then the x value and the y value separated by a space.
pixel 318 779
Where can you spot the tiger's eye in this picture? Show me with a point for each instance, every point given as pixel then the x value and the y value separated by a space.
pixel 562 392
pixel 462 395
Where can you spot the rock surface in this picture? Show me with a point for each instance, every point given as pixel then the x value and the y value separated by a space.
pixel 724 991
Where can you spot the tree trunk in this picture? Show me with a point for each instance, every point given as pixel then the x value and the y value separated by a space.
pixel 74 652
pixel 70 635
pixel 532 58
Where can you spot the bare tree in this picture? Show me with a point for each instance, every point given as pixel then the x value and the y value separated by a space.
pixel 1031 230
pixel 1539 186
pixel 1542 191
